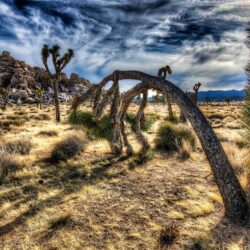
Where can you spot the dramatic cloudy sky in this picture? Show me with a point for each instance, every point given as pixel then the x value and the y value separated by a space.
pixel 202 40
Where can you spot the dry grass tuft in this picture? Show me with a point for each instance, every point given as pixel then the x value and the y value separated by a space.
pixel 168 235
pixel 48 133
pixel 20 146
pixel 41 117
pixel 237 157
pixel 247 169
pixel 185 150
pixel 7 123
pixel 8 164
pixel 68 147
pixel 216 116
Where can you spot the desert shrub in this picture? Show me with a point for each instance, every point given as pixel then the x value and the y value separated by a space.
pixel 94 131
pixel 168 235
pixel 103 129
pixel 216 116
pixel 16 117
pixel 176 119
pixel 67 148
pixel 184 150
pixel 82 118
pixel 48 133
pixel 7 123
pixel 171 137
pixel 41 117
pixel 8 165
pixel 20 112
pixel 150 119
pixel 20 146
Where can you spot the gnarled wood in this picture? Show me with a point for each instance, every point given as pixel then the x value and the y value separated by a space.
pixel 234 198
pixel 170 110
pixel 139 135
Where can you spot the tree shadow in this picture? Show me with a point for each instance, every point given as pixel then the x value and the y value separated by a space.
pixel 224 234
pixel 55 177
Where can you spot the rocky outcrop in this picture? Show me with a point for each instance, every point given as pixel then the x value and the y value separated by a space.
pixel 21 79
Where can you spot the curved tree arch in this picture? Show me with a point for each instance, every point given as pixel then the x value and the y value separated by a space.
pixel 234 198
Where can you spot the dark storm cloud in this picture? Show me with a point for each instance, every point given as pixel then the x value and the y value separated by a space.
pixel 111 34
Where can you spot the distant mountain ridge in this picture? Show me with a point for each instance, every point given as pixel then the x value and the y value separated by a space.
pixel 221 95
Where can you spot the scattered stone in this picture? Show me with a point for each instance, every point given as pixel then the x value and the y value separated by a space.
pixel 30 100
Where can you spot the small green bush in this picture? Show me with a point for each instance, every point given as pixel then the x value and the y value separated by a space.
pixel 94 131
pixel 20 146
pixel 104 129
pixel 170 137
pixel 82 118
pixel 67 148
pixel 150 119
pixel 176 119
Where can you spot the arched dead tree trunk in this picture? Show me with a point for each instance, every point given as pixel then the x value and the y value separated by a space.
pixel 104 102
pixel 183 118
pixel 139 135
pixel 234 198
pixel 170 110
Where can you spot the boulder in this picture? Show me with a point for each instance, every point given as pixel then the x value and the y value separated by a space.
pixel 30 100
pixel 6 54
pixel 74 89
pixel 63 97
pixel 21 94
pixel 21 76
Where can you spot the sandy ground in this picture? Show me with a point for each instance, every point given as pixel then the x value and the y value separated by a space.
pixel 117 203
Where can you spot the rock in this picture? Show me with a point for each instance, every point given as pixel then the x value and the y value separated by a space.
pixel 38 85
pixel 19 102
pixel 6 53
pixel 63 97
pixel 50 90
pixel 30 100
pixel 16 74
pixel 17 65
pixel 63 89
pixel 21 94
pixel 74 89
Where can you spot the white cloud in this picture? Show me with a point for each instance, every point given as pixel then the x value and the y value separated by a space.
pixel 99 52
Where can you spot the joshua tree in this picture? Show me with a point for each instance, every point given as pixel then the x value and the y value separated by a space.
pixel 228 100
pixel 4 94
pixel 162 73
pixel 59 63
pixel 207 100
pixel 196 90
pixel 234 198
pixel 39 93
